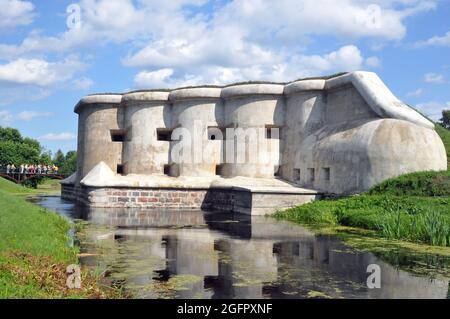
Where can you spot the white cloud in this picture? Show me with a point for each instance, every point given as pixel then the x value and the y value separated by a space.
pixel 415 93
pixel 254 39
pixel 176 43
pixel 373 62
pixel 156 78
pixel 58 137
pixel 39 72
pixel 433 109
pixel 283 68
pixel 282 21
pixel 15 13
pixel 6 117
pixel 30 115
pixel 434 78
pixel 83 83
pixel 437 41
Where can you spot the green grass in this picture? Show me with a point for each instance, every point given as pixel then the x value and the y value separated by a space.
pixel 35 250
pixel 49 186
pixel 415 184
pixel 417 219
pixel 445 136
pixel 28 228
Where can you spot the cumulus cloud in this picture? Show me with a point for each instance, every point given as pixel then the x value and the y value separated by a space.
pixel 434 78
pixel 254 39
pixel 39 72
pixel 373 62
pixel 83 83
pixel 437 41
pixel 151 23
pixel 15 13
pixel 6 117
pixel 30 115
pixel 180 42
pixel 58 137
pixel 156 78
pixel 283 68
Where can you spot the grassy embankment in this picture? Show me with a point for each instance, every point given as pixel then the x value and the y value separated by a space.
pixel 35 251
pixel 414 208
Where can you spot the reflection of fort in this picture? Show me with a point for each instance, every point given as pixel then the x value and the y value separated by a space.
pixel 246 258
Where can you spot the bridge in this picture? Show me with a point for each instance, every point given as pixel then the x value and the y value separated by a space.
pixel 20 178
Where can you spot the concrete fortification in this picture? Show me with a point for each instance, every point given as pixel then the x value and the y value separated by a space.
pixel 251 147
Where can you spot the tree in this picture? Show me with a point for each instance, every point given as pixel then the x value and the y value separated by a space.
pixel 59 158
pixel 17 153
pixel 33 143
pixel 70 163
pixel 445 120
pixel 17 150
pixel 14 149
pixel 10 134
pixel 46 158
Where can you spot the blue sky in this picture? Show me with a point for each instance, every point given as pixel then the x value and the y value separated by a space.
pixel 50 58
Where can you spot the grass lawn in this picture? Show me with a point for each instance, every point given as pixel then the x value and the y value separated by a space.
pixel 48 187
pixel 35 251
pixel 413 207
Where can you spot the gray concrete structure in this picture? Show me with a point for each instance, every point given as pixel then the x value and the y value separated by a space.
pixel 337 135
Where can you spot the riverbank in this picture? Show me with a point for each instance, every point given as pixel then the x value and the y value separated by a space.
pixel 416 219
pixel 35 250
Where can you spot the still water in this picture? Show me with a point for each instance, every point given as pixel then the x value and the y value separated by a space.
pixel 195 254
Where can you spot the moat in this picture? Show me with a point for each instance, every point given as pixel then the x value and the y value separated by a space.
pixel 197 254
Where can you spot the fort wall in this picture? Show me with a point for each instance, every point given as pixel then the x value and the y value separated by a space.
pixel 338 135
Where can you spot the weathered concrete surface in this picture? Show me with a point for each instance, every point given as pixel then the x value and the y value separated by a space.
pixel 361 153
pixel 144 114
pixel 250 108
pixel 98 115
pixel 340 135
pixel 194 110
pixel 379 97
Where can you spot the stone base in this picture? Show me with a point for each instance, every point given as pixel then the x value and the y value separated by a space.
pixel 249 201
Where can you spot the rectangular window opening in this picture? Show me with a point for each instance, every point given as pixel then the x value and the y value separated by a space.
pixel 311 174
pixel 272 132
pixel 120 169
pixel 118 135
pixel 297 175
pixel 219 170
pixel 164 134
pixel 167 170
pixel 326 173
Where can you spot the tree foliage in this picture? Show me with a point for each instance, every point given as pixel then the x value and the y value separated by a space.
pixel 69 166
pixel 16 149
pixel 445 120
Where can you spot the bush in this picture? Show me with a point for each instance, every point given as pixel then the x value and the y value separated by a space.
pixel 415 184
pixel 416 219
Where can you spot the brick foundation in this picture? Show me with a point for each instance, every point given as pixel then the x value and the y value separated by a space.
pixel 224 199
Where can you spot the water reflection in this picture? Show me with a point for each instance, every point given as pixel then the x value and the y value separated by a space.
pixel 194 254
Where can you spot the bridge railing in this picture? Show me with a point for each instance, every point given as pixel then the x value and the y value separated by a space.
pixel 18 172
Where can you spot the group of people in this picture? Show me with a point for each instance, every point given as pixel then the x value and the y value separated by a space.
pixel 32 169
